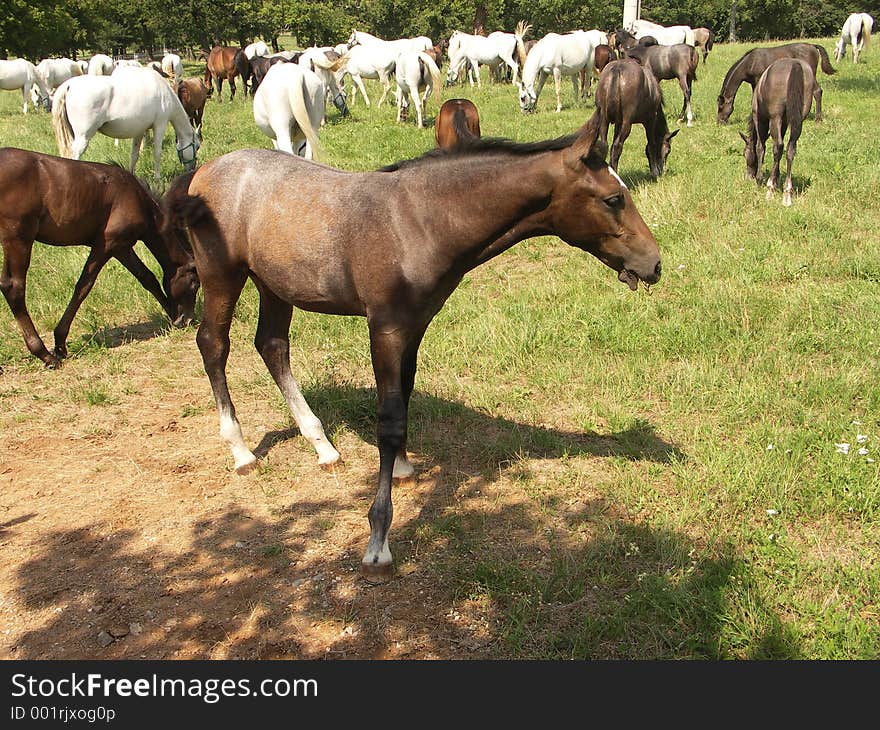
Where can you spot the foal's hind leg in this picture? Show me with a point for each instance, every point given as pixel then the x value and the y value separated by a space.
pixel 221 294
pixel 129 259
pixel 621 132
pixel 790 152
pixel 817 95
pixel 777 131
pixel 273 343
pixel 686 106
pixel 13 279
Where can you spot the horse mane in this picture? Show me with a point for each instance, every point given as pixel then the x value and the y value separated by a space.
pixel 476 146
pixel 732 69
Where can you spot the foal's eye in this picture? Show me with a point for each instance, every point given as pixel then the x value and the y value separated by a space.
pixel 615 201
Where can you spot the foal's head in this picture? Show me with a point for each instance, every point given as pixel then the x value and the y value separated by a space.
pixel 725 108
pixel 659 145
pixel 593 210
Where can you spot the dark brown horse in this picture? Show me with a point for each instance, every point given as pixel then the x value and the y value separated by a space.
pixel 781 101
pixel 226 62
pixel 458 120
pixel 751 65
pixel 64 202
pixel 670 62
pixel 627 94
pixel 193 94
pixel 359 247
pixel 260 66
pixel 602 56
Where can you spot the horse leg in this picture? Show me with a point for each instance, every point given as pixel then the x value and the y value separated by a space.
pixel 158 136
pixel 403 469
pixel 777 132
pixel 621 132
pixel 762 130
pixel 414 95
pixel 685 84
pixel 386 84
pixel 220 295
pixel 575 84
pixel 388 346
pixel 13 282
pixel 817 95
pixel 25 92
pixel 126 256
pixel 790 152
pixel 135 152
pixel 359 84
pixel 219 80
pixel 232 88
pixel 557 83
pixel 273 343
pixel 94 263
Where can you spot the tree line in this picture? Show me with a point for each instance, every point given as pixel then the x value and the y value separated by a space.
pixel 38 28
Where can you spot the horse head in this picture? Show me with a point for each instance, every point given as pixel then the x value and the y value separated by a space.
pixel 658 148
pixel 353 39
pixel 725 108
pixel 594 211
pixel 528 99
pixel 186 151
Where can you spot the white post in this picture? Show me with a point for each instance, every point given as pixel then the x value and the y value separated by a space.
pixel 632 11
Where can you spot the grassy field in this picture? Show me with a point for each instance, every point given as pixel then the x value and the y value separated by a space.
pixel 623 475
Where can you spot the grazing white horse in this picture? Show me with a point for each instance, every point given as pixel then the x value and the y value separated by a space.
pixel 491 50
pixel 22 74
pixel 415 72
pixel 100 65
pixel 560 55
pixel 172 67
pixel 857 32
pixel 126 63
pixel 124 105
pixel 375 61
pixel 55 71
pixel 257 48
pixel 288 108
pixel 420 43
pixel 330 72
pixel 665 35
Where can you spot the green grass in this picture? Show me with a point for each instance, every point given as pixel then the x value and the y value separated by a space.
pixel 726 523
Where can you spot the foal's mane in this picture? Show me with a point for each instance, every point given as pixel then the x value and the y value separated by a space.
pixel 733 69
pixel 478 146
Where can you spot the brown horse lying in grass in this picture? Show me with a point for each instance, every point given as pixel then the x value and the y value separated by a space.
pixel 360 247
pixel 64 202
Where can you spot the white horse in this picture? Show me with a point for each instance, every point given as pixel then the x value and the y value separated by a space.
pixel 100 65
pixel 172 67
pixel 420 43
pixel 124 105
pixel 55 71
pixel 560 55
pixel 416 71
pixel 330 72
pixel 374 61
pixel 665 35
pixel 857 32
pixel 22 74
pixel 491 50
pixel 289 105
pixel 257 48
pixel 126 63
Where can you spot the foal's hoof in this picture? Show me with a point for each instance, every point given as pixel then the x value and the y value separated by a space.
pixel 408 480
pixel 60 351
pixel 332 467
pixel 377 574
pixel 245 468
pixel 52 361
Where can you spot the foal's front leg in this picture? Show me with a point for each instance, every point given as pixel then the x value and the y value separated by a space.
pixel 94 263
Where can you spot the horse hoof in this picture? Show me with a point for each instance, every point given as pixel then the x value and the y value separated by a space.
pixel 408 480
pixel 245 468
pixel 332 467
pixel 52 362
pixel 60 352
pixel 377 574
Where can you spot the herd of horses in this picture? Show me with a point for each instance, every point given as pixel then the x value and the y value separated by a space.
pixel 214 229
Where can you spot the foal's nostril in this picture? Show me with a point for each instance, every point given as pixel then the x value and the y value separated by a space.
pixel 657 270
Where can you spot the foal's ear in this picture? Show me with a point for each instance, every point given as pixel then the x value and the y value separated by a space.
pixel 670 135
pixel 588 148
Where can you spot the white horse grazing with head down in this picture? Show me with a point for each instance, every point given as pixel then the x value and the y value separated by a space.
pixel 100 65
pixel 257 48
pixel 857 32
pixel 172 67
pixel 416 71
pixel 289 105
pixel 491 50
pixel 560 55
pixel 124 105
pixel 55 71
pixel 666 35
pixel 22 74
pixel 374 61
pixel 330 72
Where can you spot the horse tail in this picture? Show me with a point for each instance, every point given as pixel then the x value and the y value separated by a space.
pixel 866 31
pixel 61 122
pixel 694 63
pixel 461 128
pixel 321 61
pixel 181 209
pixel 794 101
pixel 301 115
pixel 522 30
pixel 826 62
pixel 433 69
pixel 710 40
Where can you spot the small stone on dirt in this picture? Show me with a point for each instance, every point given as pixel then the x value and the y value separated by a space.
pixel 135 629
pixel 117 632
pixel 104 639
pixel 298 582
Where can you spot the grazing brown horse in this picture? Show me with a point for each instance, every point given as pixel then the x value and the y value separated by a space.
pixel 260 66
pixel 751 65
pixel 782 99
pixel 602 56
pixel 704 38
pixel 670 62
pixel 359 247
pixel 64 202
pixel 627 94
pixel 458 120
pixel 193 93
pixel 226 62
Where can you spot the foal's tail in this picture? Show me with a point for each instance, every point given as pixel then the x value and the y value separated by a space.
pixel 522 30
pixel 61 123
pixel 794 102
pixel 826 62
